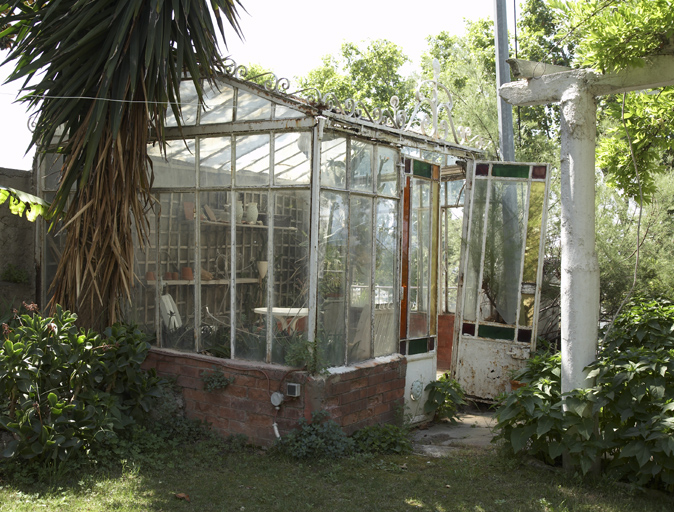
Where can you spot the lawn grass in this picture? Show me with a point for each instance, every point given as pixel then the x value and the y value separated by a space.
pixel 471 479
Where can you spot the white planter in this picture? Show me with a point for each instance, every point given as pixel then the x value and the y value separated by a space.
pixel 262 267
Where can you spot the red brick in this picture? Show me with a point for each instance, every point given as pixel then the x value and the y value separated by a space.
pixel 232 414
pixel 373 400
pixel 237 427
pixel 260 395
pixel 189 382
pixel 382 409
pixel 207 409
pixel 245 380
pixel 339 388
pixel 237 391
pixel 168 368
pixel 359 383
pixel 353 407
pixel 389 396
pixel 383 387
pixel 193 395
pixel 349 419
pixel 358 394
pixel 375 379
pixel 258 420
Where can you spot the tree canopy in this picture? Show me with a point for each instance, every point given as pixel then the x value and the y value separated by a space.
pixel 371 75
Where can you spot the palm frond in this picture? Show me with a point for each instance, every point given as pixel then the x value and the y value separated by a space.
pixel 102 75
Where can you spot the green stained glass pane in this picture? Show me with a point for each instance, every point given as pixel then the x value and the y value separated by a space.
pixel 510 171
pixel 495 333
pixel 423 169
pixel 418 346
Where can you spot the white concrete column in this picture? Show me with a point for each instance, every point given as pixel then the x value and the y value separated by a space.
pixel 580 267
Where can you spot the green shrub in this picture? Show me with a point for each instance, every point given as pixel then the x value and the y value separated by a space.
pixel 445 396
pixel 626 419
pixel 384 438
pixel 318 439
pixel 215 380
pixel 65 389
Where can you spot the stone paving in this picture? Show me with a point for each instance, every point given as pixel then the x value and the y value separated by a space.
pixel 474 428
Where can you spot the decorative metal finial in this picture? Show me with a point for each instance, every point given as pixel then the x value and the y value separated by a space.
pixel 439 128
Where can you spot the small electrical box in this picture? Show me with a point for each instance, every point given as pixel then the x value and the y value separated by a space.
pixel 293 389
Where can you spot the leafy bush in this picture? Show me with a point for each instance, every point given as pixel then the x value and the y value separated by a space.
pixel 320 438
pixel 384 438
pixel 631 403
pixel 445 396
pixel 215 379
pixel 65 389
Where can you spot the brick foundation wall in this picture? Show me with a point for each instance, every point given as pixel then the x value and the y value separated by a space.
pixel 365 394
pixel 445 333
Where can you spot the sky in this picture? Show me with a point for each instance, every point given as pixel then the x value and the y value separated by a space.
pixel 290 37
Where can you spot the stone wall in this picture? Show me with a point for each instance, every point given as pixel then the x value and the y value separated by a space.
pixel 365 394
pixel 17 239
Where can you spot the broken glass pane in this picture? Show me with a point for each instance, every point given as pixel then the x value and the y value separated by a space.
pixel 333 162
pixel 387 171
pixel 503 252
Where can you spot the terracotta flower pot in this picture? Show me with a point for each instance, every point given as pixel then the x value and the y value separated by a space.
pixel 186 273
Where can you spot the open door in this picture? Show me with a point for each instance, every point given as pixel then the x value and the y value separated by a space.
pixel 499 283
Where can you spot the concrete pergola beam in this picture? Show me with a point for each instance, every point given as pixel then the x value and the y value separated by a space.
pixel 576 92
pixel 542 89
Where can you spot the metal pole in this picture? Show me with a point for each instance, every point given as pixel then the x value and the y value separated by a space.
pixel 505 110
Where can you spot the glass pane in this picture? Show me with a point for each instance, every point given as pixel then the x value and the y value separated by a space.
pixel 419 258
pixel 281 112
pixel 215 162
pixel 332 244
pixel 510 171
pixel 219 104
pixel 333 162
pixel 189 104
pixel 51 170
pixel 387 171
pixel 455 192
pixel 252 160
pixel 386 251
pixel 292 158
pixel 176 251
pixel 503 252
pixel 290 306
pixel 527 310
pixel 474 256
pixel 215 254
pixel 178 169
pixel 251 291
pixel 536 198
pixel 361 166
pixel 452 224
pixel 250 107
pixel 146 270
pixel 360 270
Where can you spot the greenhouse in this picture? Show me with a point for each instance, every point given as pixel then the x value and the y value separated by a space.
pixel 295 231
